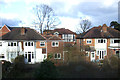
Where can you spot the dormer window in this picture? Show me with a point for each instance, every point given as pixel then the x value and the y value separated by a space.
pixel 56 33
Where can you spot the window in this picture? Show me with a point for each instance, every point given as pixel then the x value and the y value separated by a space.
pixel 101 41
pixel 89 41
pixel 44 56
pixel 55 44
pixel 118 53
pixel 42 44
pixel 68 37
pixel 0 43
pixel 101 53
pixel 12 43
pixel 2 56
pixel 116 41
pixel 56 33
pixel 57 56
pixel 28 43
pixel 86 54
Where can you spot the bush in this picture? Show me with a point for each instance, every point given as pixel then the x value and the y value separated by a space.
pixel 17 67
pixel 5 68
pixel 19 62
pixel 47 69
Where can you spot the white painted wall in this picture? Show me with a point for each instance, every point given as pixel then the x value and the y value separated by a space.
pixel 39 55
pixel 100 46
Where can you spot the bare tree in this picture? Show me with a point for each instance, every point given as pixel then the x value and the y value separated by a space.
pixel 45 17
pixel 84 25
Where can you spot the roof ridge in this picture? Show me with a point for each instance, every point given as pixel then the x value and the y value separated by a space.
pixel 39 33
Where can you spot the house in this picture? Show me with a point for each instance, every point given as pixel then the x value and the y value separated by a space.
pixel 100 42
pixel 67 35
pixel 23 41
pixel 55 47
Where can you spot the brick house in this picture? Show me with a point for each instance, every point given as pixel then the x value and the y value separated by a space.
pixel 100 42
pixel 67 35
pixel 55 46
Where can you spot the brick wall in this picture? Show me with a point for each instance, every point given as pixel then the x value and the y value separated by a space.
pixel 53 50
pixel 4 30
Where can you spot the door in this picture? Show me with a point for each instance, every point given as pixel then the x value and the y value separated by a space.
pixel 29 57
pixel 92 56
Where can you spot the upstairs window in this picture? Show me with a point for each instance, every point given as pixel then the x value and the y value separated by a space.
pixel 89 41
pixel 12 44
pixel 28 43
pixel 101 41
pixel 55 44
pixel 116 41
pixel 42 43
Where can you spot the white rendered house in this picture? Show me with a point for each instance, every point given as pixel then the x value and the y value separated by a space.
pixel 23 41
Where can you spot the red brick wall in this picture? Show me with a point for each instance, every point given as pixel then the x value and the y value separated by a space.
pixel 53 50
pixel 4 30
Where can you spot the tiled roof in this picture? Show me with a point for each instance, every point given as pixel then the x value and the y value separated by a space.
pixel 64 31
pixel 15 34
pixel 98 32
pixel 60 31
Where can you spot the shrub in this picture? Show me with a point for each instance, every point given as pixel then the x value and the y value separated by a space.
pixel 5 68
pixel 47 69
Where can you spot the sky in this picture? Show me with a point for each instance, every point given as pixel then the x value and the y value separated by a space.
pixel 70 12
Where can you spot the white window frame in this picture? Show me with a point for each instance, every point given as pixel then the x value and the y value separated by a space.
pixel 57 55
pixel 9 43
pixel 56 33
pixel 88 41
pixel 100 41
pixel 55 43
pixel 42 42
pixel 27 42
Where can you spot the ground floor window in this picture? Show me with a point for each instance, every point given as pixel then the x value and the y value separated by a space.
pixel 2 56
pixel 57 56
pixel 86 54
pixel 118 53
pixel 101 54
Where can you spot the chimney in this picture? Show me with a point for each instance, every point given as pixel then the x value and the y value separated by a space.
pixel 104 28
pixel 22 31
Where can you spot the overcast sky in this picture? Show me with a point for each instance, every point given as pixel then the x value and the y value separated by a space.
pixel 70 12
